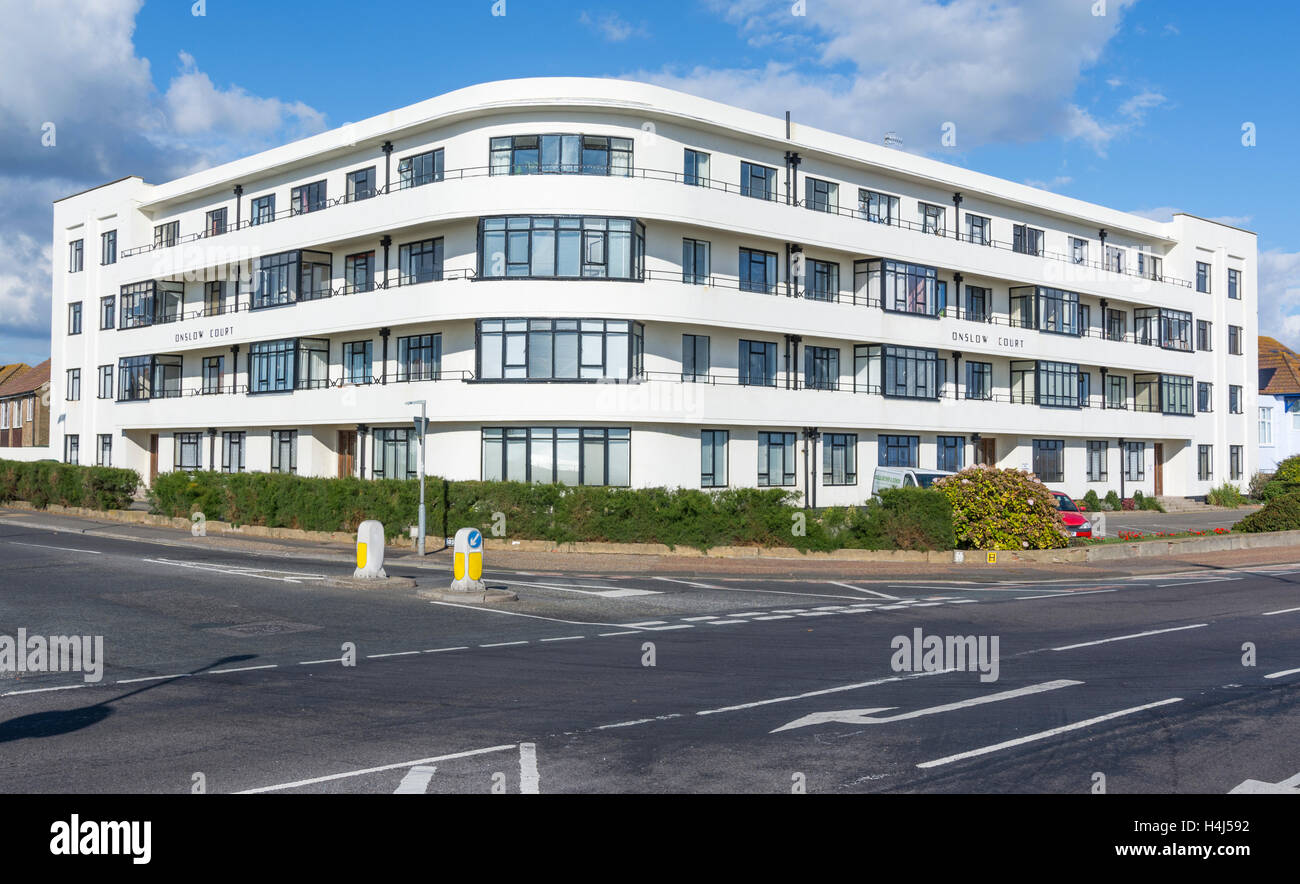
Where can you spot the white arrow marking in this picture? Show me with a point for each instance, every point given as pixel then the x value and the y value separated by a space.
pixel 416 781
pixel 862 716
pixel 1289 786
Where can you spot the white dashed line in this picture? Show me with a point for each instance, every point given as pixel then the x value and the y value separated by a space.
pixel 1282 674
pixel 1283 611
pixel 153 678
pixel 394 654
pixel 66 687
pixel 564 638
pixel 440 650
pixel 503 644
pixel 241 669
pixel 1120 638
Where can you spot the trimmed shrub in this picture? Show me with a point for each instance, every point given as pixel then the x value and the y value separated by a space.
pixel 1257 484
pixel 1092 501
pixel 43 483
pixel 1002 509
pixel 1113 503
pixel 1280 514
pixel 1226 495
pixel 903 518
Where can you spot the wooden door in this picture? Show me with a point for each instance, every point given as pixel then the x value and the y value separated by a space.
pixel 347 453
pixel 1158 453
pixel 986 452
pixel 153 457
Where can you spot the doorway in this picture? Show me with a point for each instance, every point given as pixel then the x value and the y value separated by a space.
pixel 1158 453
pixel 153 457
pixel 986 452
pixel 347 453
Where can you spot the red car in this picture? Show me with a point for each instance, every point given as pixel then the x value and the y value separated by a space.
pixel 1075 522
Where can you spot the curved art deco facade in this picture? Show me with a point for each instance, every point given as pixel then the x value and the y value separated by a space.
pixel 596 281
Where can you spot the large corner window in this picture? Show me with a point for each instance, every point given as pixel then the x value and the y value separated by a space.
pixel 561 247
pixel 150 303
pixel 561 155
pixel 911 372
pixel 148 377
pixel 559 349
pixel 563 455
pixel 289 277
pixel 906 288
pixel 1046 309
pixel 1059 384
pixel 288 364
pixel 1164 393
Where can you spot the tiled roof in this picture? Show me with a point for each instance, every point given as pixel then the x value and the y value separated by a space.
pixel 1279 368
pixel 12 369
pixel 27 381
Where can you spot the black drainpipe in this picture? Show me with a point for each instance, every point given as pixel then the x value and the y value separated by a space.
pixel 388 164
pixel 792 161
pixel 956 375
pixel 384 333
pixel 957 280
pixel 234 362
pixel 361 447
pixel 386 241
pixel 956 216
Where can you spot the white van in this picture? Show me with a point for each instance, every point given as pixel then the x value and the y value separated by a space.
pixel 904 477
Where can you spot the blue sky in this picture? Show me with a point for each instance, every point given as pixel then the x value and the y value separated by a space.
pixel 1140 108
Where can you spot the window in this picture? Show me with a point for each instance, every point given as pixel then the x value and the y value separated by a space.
pixel 905 288
pixel 288 364
pixel 1266 426
pixel 1234 399
pixel 1114 259
pixel 1078 250
pixel 72 448
pixel 950 453
pixel 1175 394
pixel 757 363
pixel 104 450
pixel 979 380
pixel 561 154
pixel 1234 284
pixel 148 377
pixel 76 256
pixel 1146 326
pixel 823 281
pixel 695 358
pixel 107 311
pixel 74 385
pixel 166 235
pixel 821 368
pixel 214 370
pixel 1047 309
pixel 1204 463
pixel 757 271
pixel 1116 325
pixel 1204 397
pixel 419 262
pixel 1204 338
pixel 559 349
pixel 978 229
pixel 1049 460
pixel 1135 462
pixel 4 414
pixel 821 196
pixel 912 373
pixel 1176 330
pixel 262 209
pixel 414 171
pixel 696 168
pixel 1202 277
pixel 397 453
pixel 713 458
pixel 214 298
pixel 1234 340
pixel 356 362
pixel 31 403
pixel 757 181
pixel 1057 384
pixel 1235 461
pixel 775 459
pixel 186 452
pixel 419 358
pixel 216 222
pixel 878 207
pixel 288 277
pixel 1148 266
pixel 359 185
pixel 564 455
pixel 284 451
pixel 840 459
pixel 359 272
pixel 148 303
pixel 307 198
pixel 899 451
pixel 932 218
pixel 695 262
pixel 978 301
pixel 1098 454
pixel 108 247
pixel 1116 392
pixel 1027 240
pixel 550 246
pixel 105 382
pixel 1085 389
pixel 232 452
pixel 74 318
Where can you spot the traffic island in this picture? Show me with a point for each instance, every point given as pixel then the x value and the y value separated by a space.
pixel 488 595
pixel 467 583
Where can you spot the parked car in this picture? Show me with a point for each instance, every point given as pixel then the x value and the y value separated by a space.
pixel 1075 522
pixel 904 477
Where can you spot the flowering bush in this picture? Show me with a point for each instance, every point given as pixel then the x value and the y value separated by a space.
pixel 1002 509
pixel 1280 514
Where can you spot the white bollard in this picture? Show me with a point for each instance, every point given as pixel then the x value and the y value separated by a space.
pixel 370 550
pixel 467 561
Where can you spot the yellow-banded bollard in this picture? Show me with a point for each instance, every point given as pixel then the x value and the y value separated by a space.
pixel 467 561
pixel 370 550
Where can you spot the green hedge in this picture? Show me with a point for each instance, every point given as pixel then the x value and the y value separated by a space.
pixel 43 483
pixel 907 519
pixel 1002 509
pixel 1279 514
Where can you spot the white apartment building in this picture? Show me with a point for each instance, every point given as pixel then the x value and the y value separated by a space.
pixel 605 282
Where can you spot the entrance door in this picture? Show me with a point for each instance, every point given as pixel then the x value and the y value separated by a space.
pixel 153 457
pixel 347 453
pixel 1158 452
pixel 986 452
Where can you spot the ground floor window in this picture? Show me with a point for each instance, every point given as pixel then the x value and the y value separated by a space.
pixel 232 452
pixel 899 451
pixel 840 459
pixel 104 456
pixel 284 451
pixel 1097 452
pixel 1135 461
pixel 1049 460
pixel 564 455
pixel 951 455
pixel 1204 462
pixel 1234 462
pixel 775 459
pixel 713 458
pixel 72 449
pixel 396 454
pixel 187 452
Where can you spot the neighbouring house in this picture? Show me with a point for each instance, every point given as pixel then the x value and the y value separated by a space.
pixel 1279 403
pixel 25 412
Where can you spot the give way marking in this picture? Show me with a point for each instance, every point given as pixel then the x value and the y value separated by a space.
pixel 868 716
pixel 1289 786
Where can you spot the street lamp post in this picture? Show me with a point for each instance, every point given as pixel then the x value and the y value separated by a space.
pixel 420 429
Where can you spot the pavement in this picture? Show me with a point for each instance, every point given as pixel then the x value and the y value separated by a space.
pixel 245 666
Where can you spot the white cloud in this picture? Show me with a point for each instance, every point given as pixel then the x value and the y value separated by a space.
pixel 612 27
pixel 1279 296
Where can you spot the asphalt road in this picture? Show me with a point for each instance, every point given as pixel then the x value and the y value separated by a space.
pixel 231 666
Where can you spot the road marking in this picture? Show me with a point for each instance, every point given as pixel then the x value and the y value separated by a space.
pixel 521 614
pixel 564 638
pixel 643 623
pixel 823 691
pixel 698 619
pixel 882 595
pixel 1289 786
pixel 1283 673
pixel 815 595
pixel 1042 735
pixel 153 678
pixel 240 669
pixel 259 573
pixel 369 770
pixel 503 644
pixel 688 583
pixel 528 779
pixel 1195 582
pixel 725 622
pixel 314 662
pixel 64 548
pixel 1284 611
pixel 604 593
pixel 66 687
pixel 1120 638
pixel 624 632
pixel 440 650
pixel 416 781
pixel 867 716
pixel 605 727
pixel 777 617
pixel 1058 595
pixel 393 654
